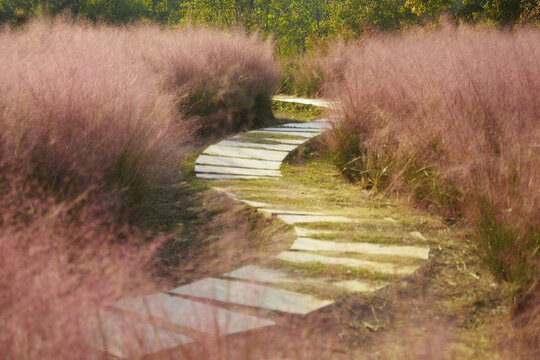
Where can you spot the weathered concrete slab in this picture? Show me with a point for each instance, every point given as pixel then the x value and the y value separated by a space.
pixel 309 125
pixel 307 130
pixel 235 171
pixel 287 141
pixel 296 219
pixel 301 231
pixel 287 212
pixel 246 294
pixel 230 177
pixel 314 102
pixel 259 274
pixel 127 338
pixel 238 162
pixel 307 244
pixel 245 153
pixel 191 314
pixel 289 133
pixel 275 147
pixel 382 267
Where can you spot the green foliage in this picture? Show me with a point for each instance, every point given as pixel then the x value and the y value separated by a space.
pixel 511 253
pixel 503 12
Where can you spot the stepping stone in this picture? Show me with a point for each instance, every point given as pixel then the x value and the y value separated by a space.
pixel 286 141
pixel 275 147
pixel 260 274
pixel 230 177
pixel 309 125
pixel 289 129
pixel 246 294
pixel 301 231
pixel 308 244
pixel 295 219
pixel 246 153
pixel 127 338
pixel 235 171
pixel 193 315
pixel 375 266
pixel 289 133
pixel 314 102
pixel 238 162
pixel 359 286
pixel 287 212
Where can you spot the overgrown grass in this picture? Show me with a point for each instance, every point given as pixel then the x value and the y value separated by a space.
pixel 451 116
pixel 95 122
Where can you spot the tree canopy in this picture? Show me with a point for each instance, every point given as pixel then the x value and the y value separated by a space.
pixel 295 24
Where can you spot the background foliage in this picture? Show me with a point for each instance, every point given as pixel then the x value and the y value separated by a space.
pixel 296 25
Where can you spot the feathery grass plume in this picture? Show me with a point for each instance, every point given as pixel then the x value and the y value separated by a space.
pixel 60 261
pixel 452 116
pixel 224 80
pixel 77 108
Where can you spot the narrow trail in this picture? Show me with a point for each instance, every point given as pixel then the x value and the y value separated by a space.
pixel 365 248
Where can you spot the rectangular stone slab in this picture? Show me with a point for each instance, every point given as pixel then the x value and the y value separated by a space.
pixel 289 133
pixel 286 212
pixel 289 129
pixel 246 294
pixel 246 153
pixel 230 177
pixel 310 125
pixel 286 141
pixel 296 219
pixel 191 314
pixel 235 171
pixel 382 267
pixel 314 102
pixel 257 273
pixel 260 274
pixel 127 338
pixel 275 147
pixel 307 244
pixel 238 162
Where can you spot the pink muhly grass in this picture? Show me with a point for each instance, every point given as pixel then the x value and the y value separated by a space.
pixel 454 112
pixel 60 262
pixel 224 79
pixel 76 108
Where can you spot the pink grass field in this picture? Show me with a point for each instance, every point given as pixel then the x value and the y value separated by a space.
pixel 91 119
pixel 451 119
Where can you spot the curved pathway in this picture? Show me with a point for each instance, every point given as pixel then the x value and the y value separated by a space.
pixel 242 165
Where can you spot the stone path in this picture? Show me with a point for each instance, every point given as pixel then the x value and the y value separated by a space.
pixel 177 317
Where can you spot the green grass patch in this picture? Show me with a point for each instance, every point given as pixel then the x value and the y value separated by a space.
pixel 294 111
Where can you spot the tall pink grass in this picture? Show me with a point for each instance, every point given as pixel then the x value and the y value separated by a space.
pixel 81 104
pixel 60 262
pixel 92 118
pixel 453 116
pixel 224 80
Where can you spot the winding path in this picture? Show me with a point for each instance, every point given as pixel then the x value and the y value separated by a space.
pixel 184 314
